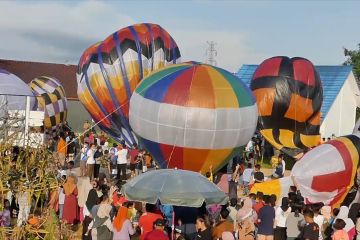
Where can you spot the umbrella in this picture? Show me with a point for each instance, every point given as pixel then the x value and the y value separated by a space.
pixel 174 187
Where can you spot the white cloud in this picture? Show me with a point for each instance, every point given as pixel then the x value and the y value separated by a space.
pixel 61 31
pixel 233 48
pixel 50 31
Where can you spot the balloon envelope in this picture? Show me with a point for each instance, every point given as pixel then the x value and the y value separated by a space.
pixel 324 174
pixel 13 92
pixel 109 71
pixel 327 172
pixel 52 100
pixel 289 97
pixel 192 115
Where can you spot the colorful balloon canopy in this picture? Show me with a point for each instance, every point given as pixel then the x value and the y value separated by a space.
pixel 193 115
pixel 324 174
pixel 13 93
pixel 289 97
pixel 109 71
pixel 52 100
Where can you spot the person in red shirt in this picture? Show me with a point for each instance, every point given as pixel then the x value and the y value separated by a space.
pixel 259 202
pixel 158 233
pixel 133 159
pixel 146 221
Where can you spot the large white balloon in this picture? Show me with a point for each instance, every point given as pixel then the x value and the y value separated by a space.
pixel 13 92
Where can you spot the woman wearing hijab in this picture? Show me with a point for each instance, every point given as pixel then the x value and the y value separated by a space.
pixel 101 227
pixel 84 187
pixel 71 213
pixel 327 228
pixel 91 201
pixel 350 226
pixel 245 226
pixel 122 225
pixel 247 211
pixel 281 215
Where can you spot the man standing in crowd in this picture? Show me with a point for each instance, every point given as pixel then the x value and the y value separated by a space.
pixel 90 162
pixel 223 226
pixel 266 221
pixel 122 157
pixel 311 229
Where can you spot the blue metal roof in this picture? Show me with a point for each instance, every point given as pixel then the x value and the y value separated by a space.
pixel 332 77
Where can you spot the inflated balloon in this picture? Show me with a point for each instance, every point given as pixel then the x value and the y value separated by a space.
pixel 109 71
pixel 52 100
pixel 13 92
pixel 192 115
pixel 289 97
pixel 324 174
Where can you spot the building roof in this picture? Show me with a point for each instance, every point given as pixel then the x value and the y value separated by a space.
pixel 332 77
pixel 27 71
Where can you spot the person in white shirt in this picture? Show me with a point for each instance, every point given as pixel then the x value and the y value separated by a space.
pixel 318 218
pixel 61 201
pixel 247 177
pixel 83 160
pixel 122 159
pixel 90 162
pixel 281 214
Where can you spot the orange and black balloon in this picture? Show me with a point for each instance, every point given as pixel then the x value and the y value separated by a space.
pixel 289 96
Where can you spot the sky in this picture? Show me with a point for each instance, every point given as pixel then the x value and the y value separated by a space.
pixel 245 32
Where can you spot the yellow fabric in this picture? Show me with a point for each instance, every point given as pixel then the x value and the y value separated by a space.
pixel 286 137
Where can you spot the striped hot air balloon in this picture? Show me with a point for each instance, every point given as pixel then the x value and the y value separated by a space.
pixel 289 97
pixel 109 71
pixel 193 115
pixel 51 99
pixel 324 174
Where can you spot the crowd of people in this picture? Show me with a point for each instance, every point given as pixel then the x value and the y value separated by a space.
pixel 90 197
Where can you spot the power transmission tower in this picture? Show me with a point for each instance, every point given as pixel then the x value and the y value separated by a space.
pixel 211 53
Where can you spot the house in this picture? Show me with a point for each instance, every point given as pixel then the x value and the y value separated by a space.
pixel 341 97
pixel 66 74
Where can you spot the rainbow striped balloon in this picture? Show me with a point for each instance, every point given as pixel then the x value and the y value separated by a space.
pixel 193 115
pixel 109 71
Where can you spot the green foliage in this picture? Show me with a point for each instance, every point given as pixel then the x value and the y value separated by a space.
pixel 353 58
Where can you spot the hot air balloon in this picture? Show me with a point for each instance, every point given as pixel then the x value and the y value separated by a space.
pixel 289 97
pixel 193 115
pixel 52 100
pixel 109 71
pixel 324 174
pixel 13 93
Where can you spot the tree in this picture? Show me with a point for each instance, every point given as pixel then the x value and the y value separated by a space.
pixel 353 58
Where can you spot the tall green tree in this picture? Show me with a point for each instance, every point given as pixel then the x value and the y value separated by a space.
pixel 353 58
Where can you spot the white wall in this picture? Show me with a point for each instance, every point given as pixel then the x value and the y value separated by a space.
pixel 340 119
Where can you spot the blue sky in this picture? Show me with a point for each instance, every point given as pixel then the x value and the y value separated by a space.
pixel 245 31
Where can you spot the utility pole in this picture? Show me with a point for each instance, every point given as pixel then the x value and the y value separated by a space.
pixel 211 53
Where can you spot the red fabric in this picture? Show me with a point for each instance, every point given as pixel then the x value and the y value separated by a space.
pixel 146 222
pixel 71 211
pixel 257 206
pixel 81 215
pixel 325 183
pixel 304 72
pixel 156 235
pixel 118 200
pixel 133 153
pixel 269 67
